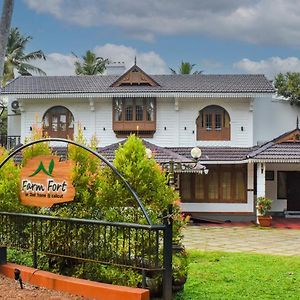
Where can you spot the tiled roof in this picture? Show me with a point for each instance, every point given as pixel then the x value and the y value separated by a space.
pixel 161 155
pixel 280 149
pixel 216 153
pixel 175 154
pixel 196 83
pixel 278 152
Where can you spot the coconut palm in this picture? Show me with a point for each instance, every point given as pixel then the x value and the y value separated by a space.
pixel 186 68
pixel 6 16
pixel 90 64
pixel 17 59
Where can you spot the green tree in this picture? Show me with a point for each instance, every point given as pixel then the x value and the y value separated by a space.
pixel 288 86
pixel 6 16
pixel 17 59
pixel 186 68
pixel 90 64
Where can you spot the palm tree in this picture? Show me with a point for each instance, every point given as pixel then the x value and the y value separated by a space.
pixel 90 64
pixel 17 59
pixel 6 16
pixel 186 68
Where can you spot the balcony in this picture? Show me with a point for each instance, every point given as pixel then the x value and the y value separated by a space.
pixel 10 141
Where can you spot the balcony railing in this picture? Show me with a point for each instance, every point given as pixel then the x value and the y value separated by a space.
pixel 10 141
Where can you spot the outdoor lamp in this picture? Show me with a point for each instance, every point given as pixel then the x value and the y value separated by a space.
pixel 148 153
pixel 196 153
pixel 17 273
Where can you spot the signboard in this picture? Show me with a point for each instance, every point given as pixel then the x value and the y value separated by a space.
pixel 45 180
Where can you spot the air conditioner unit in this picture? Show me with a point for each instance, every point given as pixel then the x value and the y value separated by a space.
pixel 15 106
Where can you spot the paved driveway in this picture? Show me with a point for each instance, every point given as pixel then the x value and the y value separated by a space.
pixel 243 239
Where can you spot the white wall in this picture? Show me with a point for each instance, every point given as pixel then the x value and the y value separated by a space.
pixel 171 119
pixel 273 117
pixel 240 116
pixel 34 110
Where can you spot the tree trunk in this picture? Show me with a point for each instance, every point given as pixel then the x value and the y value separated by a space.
pixel 7 11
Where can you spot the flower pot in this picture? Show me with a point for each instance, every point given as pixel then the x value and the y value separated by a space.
pixel 264 221
pixel 178 283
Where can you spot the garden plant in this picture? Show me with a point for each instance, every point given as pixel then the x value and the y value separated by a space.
pixel 100 195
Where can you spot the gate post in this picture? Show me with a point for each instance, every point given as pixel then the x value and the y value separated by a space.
pixel 3 255
pixel 167 274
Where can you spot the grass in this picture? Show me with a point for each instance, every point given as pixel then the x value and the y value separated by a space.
pixel 223 275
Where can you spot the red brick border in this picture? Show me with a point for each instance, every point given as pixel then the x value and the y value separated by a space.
pixel 80 287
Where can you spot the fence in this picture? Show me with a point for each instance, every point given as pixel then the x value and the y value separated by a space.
pixel 10 141
pixel 147 248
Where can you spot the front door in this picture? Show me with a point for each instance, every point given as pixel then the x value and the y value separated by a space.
pixel 293 191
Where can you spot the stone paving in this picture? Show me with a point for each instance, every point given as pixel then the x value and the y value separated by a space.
pixel 243 239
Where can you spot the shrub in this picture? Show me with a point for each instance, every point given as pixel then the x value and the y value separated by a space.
pixel 263 206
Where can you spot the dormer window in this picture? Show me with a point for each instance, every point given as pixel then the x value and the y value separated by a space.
pixel 213 124
pixel 134 115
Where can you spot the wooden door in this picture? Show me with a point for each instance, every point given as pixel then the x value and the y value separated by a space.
pixel 59 122
pixel 293 191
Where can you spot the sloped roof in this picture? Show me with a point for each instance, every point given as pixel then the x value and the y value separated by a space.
pixel 215 154
pixel 161 155
pixel 196 83
pixel 284 148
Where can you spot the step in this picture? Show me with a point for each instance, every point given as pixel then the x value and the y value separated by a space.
pixel 292 214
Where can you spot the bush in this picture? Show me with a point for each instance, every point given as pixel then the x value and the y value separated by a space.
pixel 101 195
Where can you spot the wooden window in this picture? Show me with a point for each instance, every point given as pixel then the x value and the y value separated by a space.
pixel 223 184
pixel 139 109
pixel 58 122
pixel 212 186
pixel 129 110
pixel 208 121
pixel 213 124
pixel 218 121
pixel 226 186
pixel 199 187
pixel 281 185
pixel 185 184
pixel 134 115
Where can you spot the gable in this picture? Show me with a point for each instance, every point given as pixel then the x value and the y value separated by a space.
pixel 291 137
pixel 135 76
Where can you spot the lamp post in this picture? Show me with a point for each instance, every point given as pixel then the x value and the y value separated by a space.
pixel 196 154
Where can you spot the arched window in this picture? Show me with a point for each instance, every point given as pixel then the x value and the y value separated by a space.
pixel 213 124
pixel 58 121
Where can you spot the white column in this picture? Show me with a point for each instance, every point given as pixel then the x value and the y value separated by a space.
pixel 92 121
pixel 261 182
pixel 250 184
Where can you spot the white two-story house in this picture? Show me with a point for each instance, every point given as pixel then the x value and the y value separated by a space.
pixel 234 119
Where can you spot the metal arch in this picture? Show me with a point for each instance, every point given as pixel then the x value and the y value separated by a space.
pixel 127 185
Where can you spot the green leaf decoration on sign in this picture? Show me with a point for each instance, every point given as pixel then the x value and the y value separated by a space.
pixel 42 168
pixel 51 166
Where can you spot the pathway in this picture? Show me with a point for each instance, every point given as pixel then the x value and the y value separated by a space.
pixel 243 239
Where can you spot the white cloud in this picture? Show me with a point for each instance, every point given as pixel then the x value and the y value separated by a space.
pixel 57 64
pixel 254 21
pixel 150 62
pixel 61 64
pixel 270 67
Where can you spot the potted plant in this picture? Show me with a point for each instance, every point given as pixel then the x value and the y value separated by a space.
pixel 263 207
pixel 179 271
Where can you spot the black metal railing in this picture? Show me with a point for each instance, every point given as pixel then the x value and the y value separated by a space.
pixel 10 141
pixel 142 247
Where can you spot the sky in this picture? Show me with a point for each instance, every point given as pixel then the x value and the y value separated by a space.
pixel 218 36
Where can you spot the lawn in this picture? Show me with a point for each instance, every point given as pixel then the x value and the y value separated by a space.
pixel 223 275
